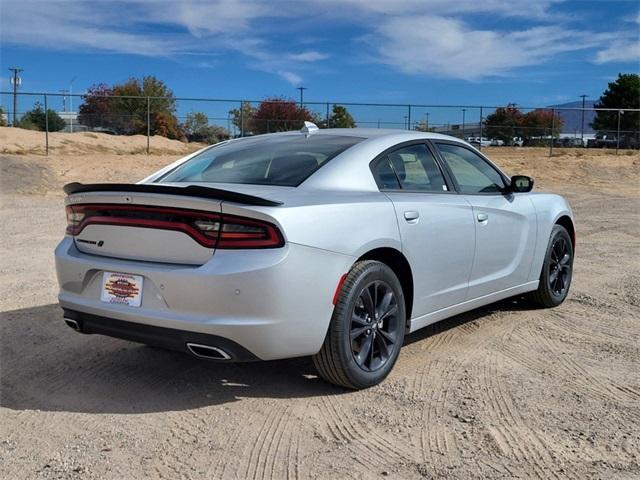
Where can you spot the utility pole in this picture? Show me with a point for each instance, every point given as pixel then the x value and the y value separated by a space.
pixel 15 81
pixel 64 99
pixel 582 121
pixel 302 89
pixel 71 103
pixel 464 113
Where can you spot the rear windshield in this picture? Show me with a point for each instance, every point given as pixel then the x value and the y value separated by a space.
pixel 283 160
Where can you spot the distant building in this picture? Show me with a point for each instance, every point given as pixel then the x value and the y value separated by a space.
pixel 71 121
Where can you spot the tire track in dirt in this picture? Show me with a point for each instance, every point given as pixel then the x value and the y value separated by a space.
pixel 588 380
pixel 552 361
pixel 514 437
pixel 369 447
pixel 437 442
pixel 569 319
pixel 268 453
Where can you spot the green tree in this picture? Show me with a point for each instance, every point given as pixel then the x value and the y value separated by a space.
pixel 623 93
pixel 3 122
pixel 197 129
pixel 241 118
pixel 123 108
pixel 131 113
pixel 35 119
pixel 340 118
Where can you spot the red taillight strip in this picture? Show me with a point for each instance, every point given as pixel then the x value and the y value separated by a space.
pixel 270 237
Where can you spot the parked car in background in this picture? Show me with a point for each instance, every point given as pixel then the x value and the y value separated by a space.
pixel 608 140
pixel 496 142
pixel 330 243
pixel 482 141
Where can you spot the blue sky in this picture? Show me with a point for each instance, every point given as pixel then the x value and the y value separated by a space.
pixel 532 52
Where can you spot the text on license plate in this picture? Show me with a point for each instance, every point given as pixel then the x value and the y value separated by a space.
pixel 122 288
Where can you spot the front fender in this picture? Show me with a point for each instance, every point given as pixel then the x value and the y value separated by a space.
pixel 549 209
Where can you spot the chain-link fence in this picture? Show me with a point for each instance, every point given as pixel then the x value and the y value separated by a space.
pixel 208 120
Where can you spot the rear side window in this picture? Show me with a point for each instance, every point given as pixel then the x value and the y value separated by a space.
pixel 282 160
pixel 410 168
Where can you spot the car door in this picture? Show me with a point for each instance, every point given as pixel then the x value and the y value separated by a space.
pixel 436 225
pixel 505 223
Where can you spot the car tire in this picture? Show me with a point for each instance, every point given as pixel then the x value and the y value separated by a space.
pixel 359 351
pixel 557 270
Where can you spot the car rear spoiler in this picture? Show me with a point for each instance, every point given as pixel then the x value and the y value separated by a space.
pixel 189 191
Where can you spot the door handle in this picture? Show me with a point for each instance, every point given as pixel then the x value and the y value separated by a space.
pixel 483 217
pixel 411 216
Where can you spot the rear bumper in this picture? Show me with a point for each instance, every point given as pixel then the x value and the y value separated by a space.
pixel 169 338
pixel 273 303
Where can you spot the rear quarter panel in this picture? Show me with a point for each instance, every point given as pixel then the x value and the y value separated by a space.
pixel 350 223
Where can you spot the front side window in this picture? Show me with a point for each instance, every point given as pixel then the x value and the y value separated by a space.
pixel 471 171
pixel 282 160
pixel 410 168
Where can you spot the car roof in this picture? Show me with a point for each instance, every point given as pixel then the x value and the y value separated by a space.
pixel 370 133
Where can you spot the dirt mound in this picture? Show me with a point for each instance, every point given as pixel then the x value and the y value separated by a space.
pixel 19 141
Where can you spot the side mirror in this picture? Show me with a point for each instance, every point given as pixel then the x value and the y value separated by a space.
pixel 521 184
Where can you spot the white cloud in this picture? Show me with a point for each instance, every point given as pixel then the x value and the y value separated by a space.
pixel 189 28
pixel 532 9
pixel 446 47
pixel 310 56
pixel 620 51
pixel 424 37
pixel 290 77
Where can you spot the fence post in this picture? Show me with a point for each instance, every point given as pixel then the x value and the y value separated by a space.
pixel 242 118
pixel 408 117
pixel 480 146
pixel 46 126
pixel 618 134
pixel 553 126
pixel 148 123
pixel 327 120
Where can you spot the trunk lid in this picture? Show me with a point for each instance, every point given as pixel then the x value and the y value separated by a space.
pixel 169 223
pixel 129 226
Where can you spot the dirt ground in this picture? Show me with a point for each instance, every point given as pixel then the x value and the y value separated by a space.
pixel 501 392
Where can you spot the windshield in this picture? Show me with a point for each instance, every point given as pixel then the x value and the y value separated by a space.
pixel 282 160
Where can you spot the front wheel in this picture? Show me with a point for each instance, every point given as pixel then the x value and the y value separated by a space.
pixel 366 330
pixel 557 270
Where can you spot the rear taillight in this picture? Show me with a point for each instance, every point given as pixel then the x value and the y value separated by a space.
pixel 212 230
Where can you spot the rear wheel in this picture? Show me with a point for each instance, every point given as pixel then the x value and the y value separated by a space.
pixel 557 270
pixel 366 330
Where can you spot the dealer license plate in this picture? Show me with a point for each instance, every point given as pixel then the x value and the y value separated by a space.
pixel 122 288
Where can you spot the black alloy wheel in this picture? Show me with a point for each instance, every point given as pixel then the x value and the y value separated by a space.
pixel 367 328
pixel 557 270
pixel 560 267
pixel 374 323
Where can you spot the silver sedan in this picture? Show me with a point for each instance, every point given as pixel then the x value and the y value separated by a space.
pixel 331 243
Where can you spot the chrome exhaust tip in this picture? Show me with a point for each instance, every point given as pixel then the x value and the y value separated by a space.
pixel 71 323
pixel 208 352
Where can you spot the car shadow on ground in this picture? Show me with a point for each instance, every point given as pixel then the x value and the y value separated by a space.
pixel 47 366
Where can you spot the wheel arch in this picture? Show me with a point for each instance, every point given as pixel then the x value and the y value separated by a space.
pixel 566 222
pixel 397 262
